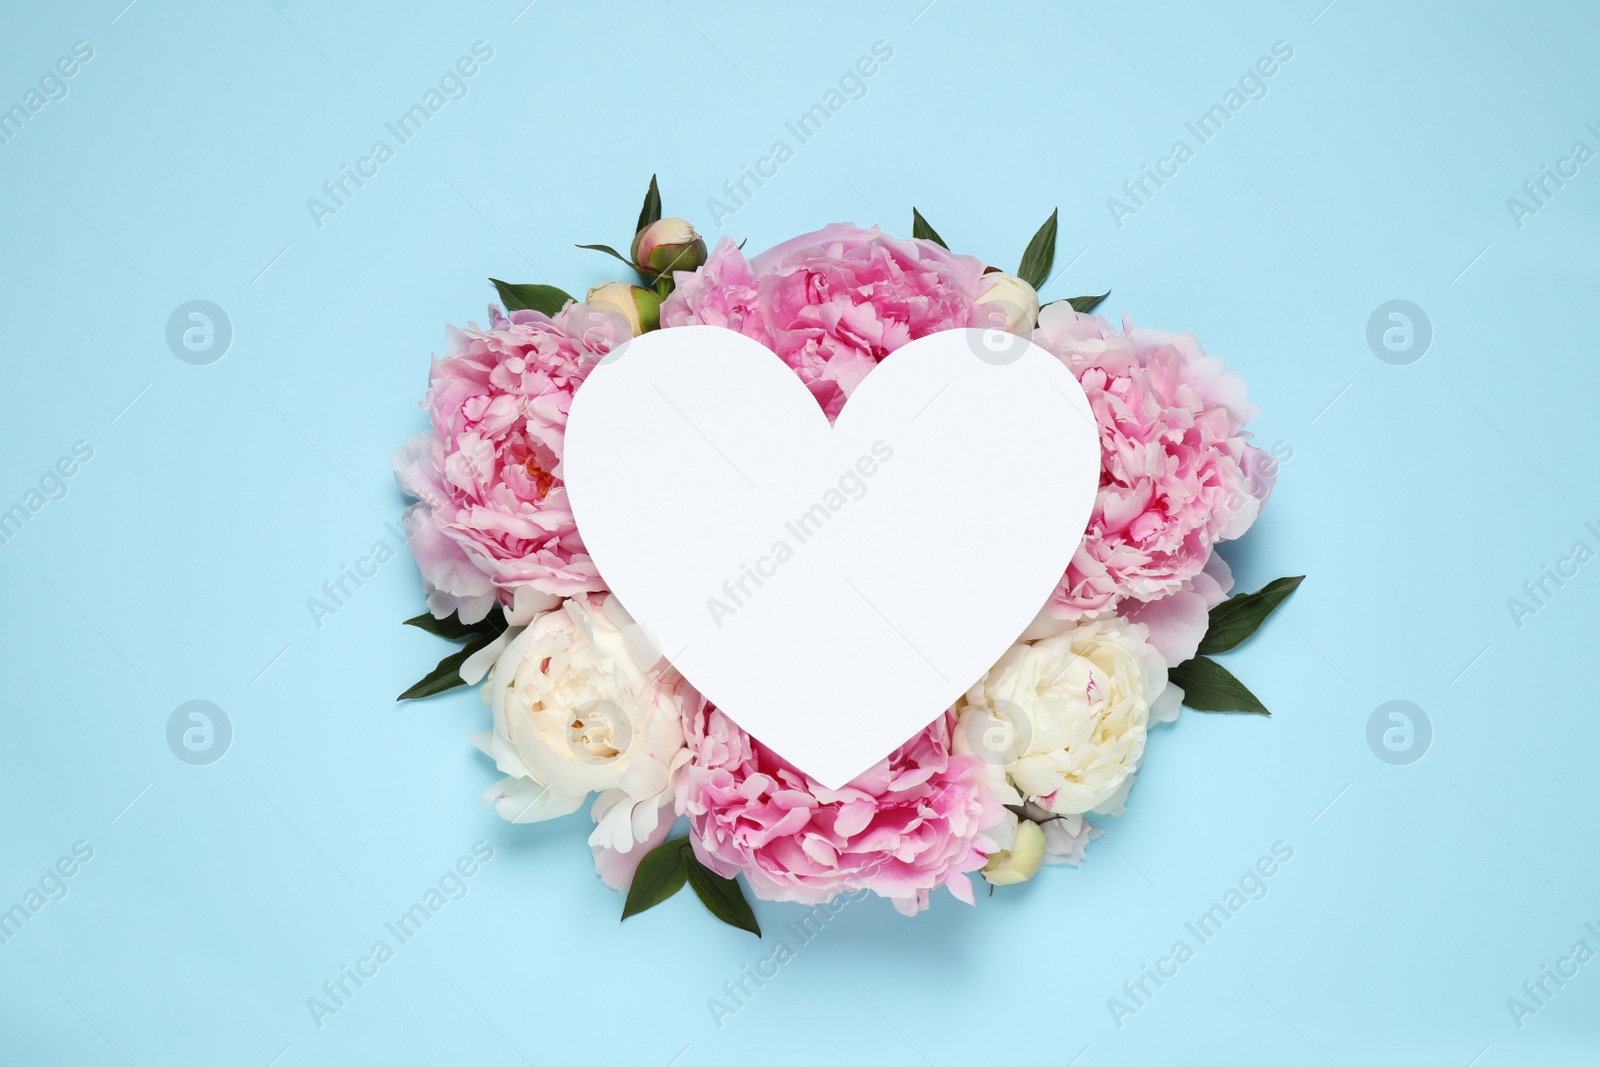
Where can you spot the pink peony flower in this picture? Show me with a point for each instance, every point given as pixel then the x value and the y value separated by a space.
pixel 1177 474
pixel 492 514
pixel 915 821
pixel 834 302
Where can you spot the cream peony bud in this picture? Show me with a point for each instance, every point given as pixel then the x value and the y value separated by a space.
pixel 1021 861
pixel 641 307
pixel 667 245
pixel 1014 298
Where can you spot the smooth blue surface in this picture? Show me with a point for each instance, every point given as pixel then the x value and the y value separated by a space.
pixel 1419 498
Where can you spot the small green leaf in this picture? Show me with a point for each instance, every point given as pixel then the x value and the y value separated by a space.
pixel 661 874
pixel 609 251
pixel 447 675
pixel 922 231
pixel 1240 615
pixel 1208 686
pixel 1085 304
pixel 722 896
pixel 545 298
pixel 1040 254
pixel 651 211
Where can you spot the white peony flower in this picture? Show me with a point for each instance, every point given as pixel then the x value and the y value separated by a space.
pixel 579 708
pixel 1066 715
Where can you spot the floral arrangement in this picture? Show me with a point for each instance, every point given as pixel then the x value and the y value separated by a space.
pixel 999 784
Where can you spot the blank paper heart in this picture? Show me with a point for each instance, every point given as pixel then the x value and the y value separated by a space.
pixel 833 589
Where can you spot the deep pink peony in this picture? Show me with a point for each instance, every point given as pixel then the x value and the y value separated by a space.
pixel 492 514
pixel 1177 472
pixel 914 822
pixel 834 302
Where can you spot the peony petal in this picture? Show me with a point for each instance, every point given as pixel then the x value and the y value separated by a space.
pixel 960 887
pixel 616 868
pixel 522 800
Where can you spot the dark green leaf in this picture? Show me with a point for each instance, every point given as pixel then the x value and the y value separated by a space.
pixel 722 896
pixel 922 231
pixel 1040 254
pixel 1208 686
pixel 661 874
pixel 651 211
pixel 609 251
pixel 545 298
pixel 1237 618
pixel 450 628
pixel 1085 304
pixel 447 675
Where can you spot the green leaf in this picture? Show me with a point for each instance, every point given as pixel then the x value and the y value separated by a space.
pixel 1085 304
pixel 651 211
pixel 451 628
pixel 447 675
pixel 722 896
pixel 1040 254
pixel 545 298
pixel 922 231
pixel 609 251
pixel 1208 686
pixel 661 874
pixel 1237 618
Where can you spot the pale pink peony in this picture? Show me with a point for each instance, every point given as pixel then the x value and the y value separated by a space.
pixel 834 302
pixel 1178 620
pixel 1177 472
pixel 914 821
pixel 492 513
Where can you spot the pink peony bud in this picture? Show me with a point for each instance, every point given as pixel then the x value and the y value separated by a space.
pixel 667 245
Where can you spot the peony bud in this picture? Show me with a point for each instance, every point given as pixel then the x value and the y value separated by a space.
pixel 641 307
pixel 667 245
pixel 1011 297
pixel 1021 861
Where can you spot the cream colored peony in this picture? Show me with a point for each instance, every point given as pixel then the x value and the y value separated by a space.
pixel 1066 714
pixel 579 708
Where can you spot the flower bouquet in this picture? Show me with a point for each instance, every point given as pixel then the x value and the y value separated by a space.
pixel 1002 782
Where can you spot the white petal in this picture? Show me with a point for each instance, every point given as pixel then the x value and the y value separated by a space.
pixel 1164 708
pixel 524 800
pixel 477 665
pixel 528 602
pixel 613 813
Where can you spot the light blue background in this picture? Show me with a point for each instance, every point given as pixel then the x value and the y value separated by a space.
pixel 1418 498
